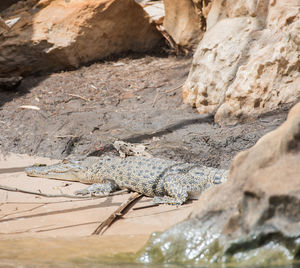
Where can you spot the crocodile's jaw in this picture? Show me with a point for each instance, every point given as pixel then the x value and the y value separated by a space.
pixel 66 170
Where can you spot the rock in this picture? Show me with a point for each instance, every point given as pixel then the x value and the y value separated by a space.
pixel 155 9
pixel 215 62
pixel 58 34
pixel 248 62
pixel 185 20
pixel 253 218
pixel 10 83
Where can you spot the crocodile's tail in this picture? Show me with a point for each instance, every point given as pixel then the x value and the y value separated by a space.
pixel 70 170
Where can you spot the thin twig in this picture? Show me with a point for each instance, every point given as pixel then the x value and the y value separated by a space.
pixel 117 213
pixel 14 189
pixel 165 92
pixel 78 96
pixel 66 136
pixel 147 206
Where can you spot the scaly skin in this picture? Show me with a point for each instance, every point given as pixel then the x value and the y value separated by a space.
pixel 169 182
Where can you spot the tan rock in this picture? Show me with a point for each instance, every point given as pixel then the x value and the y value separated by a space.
pixel 254 217
pixel 155 9
pixel 253 71
pixel 53 35
pixel 185 20
pixel 215 62
pixel 270 172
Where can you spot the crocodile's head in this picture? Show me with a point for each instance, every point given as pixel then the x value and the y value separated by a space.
pixel 70 170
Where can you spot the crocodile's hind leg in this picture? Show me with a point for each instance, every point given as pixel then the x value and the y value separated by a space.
pixel 176 193
pixel 99 188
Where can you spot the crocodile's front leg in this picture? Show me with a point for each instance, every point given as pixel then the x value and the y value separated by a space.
pixel 99 188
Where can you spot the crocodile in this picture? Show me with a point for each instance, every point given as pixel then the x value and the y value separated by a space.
pixel 167 181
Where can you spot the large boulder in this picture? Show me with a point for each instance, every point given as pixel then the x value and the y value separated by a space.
pixel 52 35
pixel 253 218
pixel 248 61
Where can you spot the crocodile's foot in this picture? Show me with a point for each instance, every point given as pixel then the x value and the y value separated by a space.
pixel 97 189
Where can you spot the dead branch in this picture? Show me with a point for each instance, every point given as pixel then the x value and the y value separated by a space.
pixel 14 189
pixel 172 44
pixel 117 213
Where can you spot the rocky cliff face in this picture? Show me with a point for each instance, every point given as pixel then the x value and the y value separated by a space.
pixel 253 218
pixel 58 34
pixel 248 61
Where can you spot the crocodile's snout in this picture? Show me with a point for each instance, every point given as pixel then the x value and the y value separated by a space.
pixel 35 170
pixel 61 171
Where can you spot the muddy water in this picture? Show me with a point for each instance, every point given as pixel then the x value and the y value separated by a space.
pixel 122 251
pixel 79 252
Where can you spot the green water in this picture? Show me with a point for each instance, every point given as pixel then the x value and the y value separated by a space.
pixel 174 248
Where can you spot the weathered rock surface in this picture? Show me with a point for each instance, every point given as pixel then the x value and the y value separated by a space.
pixel 53 35
pixel 185 20
pixel 155 9
pixel 248 61
pixel 253 218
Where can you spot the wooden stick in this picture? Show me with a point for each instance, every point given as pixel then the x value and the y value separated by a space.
pixel 13 189
pixel 117 213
